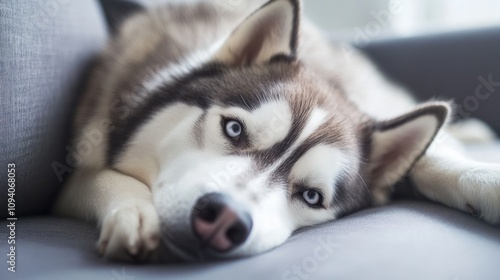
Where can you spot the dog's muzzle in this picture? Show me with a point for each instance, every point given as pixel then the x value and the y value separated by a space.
pixel 219 222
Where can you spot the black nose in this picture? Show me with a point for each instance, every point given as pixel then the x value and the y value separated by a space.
pixel 219 222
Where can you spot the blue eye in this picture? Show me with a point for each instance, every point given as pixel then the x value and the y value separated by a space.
pixel 233 128
pixel 312 197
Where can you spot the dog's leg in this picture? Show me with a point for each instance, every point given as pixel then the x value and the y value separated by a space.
pixel 445 175
pixel 123 208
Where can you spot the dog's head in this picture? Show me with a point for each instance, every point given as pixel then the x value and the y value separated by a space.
pixel 262 146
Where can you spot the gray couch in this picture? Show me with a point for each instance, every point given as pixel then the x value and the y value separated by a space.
pixel 46 48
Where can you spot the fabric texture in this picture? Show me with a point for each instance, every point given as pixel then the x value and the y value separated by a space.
pixel 45 49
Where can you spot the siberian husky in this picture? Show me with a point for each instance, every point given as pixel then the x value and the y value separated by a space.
pixel 214 131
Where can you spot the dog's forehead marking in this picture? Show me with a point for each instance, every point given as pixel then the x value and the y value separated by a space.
pixel 271 123
pixel 175 69
pixel 315 120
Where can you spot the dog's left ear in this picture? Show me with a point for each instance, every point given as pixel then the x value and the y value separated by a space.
pixel 270 31
pixel 398 143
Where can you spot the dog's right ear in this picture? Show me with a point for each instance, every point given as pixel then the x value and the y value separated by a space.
pixel 118 11
pixel 398 143
pixel 270 31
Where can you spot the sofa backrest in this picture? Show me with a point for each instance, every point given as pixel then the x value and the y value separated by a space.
pixel 463 66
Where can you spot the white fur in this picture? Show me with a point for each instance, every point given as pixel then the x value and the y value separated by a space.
pixel 472 131
pixel 447 176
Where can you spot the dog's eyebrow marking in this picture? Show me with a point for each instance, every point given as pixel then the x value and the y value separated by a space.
pixel 315 120
pixel 272 123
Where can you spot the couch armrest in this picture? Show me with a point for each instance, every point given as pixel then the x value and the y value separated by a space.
pixel 45 48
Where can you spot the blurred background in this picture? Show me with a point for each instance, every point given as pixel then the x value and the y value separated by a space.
pixel 362 19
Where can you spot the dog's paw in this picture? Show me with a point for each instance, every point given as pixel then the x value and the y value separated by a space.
pixel 130 233
pixel 481 185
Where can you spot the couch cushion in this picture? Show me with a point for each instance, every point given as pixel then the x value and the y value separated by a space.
pixel 45 48
pixel 405 240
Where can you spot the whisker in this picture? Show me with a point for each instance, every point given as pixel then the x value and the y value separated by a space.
pixel 366 186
